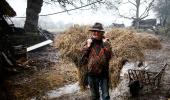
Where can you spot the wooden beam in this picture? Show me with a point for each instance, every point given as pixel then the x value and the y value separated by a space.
pixel 39 45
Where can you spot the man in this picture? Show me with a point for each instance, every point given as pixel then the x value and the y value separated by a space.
pixel 98 51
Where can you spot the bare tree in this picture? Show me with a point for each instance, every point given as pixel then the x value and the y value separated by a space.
pixel 135 11
pixel 34 8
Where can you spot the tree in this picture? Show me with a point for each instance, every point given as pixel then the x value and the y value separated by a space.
pixel 32 12
pixel 135 11
pixel 34 8
pixel 162 9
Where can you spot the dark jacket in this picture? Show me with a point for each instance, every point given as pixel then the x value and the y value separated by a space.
pixel 98 44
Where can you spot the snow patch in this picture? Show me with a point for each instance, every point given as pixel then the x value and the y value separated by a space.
pixel 67 89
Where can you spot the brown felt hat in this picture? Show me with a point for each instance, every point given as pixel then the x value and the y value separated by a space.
pixel 97 27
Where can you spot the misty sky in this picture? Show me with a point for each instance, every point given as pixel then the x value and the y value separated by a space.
pixel 78 16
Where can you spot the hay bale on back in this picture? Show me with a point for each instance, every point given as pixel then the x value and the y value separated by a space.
pixel 148 41
pixel 126 46
pixel 69 44
pixel 71 40
pixel 117 32
pixel 82 77
pixel 145 40
pixel 116 65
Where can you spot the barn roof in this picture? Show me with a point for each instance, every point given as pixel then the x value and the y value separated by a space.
pixel 6 9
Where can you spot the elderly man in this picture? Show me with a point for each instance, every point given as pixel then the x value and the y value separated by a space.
pixel 98 51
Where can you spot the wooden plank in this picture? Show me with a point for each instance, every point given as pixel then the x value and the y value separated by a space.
pixel 39 45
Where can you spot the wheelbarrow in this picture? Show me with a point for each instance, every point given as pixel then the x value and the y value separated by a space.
pixel 139 79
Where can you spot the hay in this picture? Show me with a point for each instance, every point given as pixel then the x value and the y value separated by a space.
pixel 148 41
pixel 145 40
pixel 69 44
pixel 125 47
pixel 34 87
pixel 82 77
pixel 71 40
pixel 29 89
pixel 115 69
pixel 117 32
pixel 68 70
pixel 125 43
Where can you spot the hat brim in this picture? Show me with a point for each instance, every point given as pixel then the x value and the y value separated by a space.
pixel 97 30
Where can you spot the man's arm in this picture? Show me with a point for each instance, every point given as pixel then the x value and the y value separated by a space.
pixel 85 51
pixel 86 47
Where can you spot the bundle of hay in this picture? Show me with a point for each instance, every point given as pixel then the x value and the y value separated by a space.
pixel 117 32
pixel 70 41
pixel 126 47
pixel 145 40
pixel 69 44
pixel 115 69
pixel 148 41
pixel 82 77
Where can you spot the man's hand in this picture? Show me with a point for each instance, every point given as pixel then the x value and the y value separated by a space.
pixel 89 41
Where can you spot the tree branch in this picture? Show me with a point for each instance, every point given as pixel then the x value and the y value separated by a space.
pixel 146 12
pixel 123 15
pixel 67 10
pixel 145 1
pixel 132 3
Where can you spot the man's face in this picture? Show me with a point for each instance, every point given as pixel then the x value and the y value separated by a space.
pixel 97 35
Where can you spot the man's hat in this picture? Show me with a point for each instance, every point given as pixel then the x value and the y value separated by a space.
pixel 97 27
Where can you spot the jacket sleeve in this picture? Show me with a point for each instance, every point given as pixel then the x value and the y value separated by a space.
pixel 85 49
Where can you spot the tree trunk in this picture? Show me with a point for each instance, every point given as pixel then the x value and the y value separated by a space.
pixel 137 13
pixel 166 13
pixel 32 15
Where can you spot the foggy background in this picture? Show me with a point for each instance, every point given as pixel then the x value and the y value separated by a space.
pixel 64 20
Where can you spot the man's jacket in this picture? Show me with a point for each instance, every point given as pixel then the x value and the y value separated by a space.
pixel 98 56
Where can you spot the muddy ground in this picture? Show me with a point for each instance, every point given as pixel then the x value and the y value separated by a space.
pixel 46 72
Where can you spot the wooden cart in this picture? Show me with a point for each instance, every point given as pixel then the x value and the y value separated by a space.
pixel 144 78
